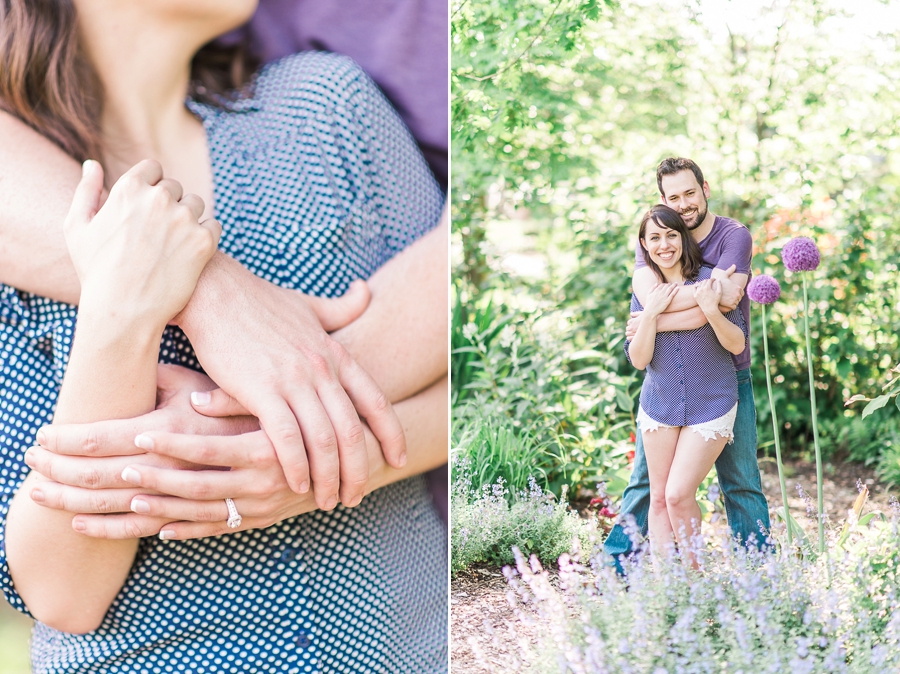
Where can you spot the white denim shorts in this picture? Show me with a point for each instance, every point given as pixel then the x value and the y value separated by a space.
pixel 722 427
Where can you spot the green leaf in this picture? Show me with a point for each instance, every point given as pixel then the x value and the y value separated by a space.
pixel 624 400
pixel 876 404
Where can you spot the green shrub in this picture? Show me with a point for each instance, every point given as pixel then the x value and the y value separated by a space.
pixel 485 529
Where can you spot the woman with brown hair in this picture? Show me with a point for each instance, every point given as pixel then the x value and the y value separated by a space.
pixel 315 183
pixel 689 396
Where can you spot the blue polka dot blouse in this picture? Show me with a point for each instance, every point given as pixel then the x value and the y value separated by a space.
pixel 317 183
pixel 691 378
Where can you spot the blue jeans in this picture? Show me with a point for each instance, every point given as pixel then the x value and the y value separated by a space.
pixel 738 471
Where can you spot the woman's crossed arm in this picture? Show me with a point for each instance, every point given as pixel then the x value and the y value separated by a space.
pixel 137 259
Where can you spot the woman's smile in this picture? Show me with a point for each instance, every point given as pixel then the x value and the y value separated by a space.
pixel 663 245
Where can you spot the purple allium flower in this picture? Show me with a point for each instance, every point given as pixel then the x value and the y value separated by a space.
pixel 800 254
pixel 764 289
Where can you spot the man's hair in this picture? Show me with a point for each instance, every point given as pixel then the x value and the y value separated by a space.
pixel 672 165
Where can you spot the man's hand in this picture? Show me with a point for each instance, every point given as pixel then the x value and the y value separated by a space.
pixel 306 390
pixel 633 324
pixel 732 292
pixel 708 294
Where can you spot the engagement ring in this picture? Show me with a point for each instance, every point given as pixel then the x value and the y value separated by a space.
pixel 234 517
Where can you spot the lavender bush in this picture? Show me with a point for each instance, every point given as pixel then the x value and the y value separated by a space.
pixel 744 611
pixel 485 524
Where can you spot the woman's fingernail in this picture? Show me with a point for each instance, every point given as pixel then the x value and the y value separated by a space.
pixel 37 496
pixel 402 460
pixel 143 441
pixel 41 437
pixel 166 534
pixel 355 502
pixel 29 459
pixel 201 398
pixel 140 506
pixel 79 526
pixel 304 487
pixel 331 503
pixel 131 475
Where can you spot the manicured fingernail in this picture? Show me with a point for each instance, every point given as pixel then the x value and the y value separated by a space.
pixel 201 398
pixel 140 506
pixel 37 496
pixel 402 460
pixel 79 526
pixel 131 475
pixel 166 534
pixel 41 437
pixel 331 503
pixel 29 459
pixel 304 487
pixel 143 441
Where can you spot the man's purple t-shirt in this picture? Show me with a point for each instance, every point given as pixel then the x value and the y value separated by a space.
pixel 401 44
pixel 728 243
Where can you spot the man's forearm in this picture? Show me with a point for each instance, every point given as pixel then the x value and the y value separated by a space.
pixel 401 339
pixel 688 319
pixel 424 417
pixel 37 181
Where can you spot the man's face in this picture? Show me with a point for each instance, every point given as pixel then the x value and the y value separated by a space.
pixel 683 193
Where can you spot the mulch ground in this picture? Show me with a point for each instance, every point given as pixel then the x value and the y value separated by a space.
pixel 485 635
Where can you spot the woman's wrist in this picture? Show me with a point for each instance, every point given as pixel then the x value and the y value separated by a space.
pixel 119 315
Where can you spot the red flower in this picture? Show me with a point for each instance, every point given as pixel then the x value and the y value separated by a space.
pixel 630 455
pixel 631 437
pixel 606 512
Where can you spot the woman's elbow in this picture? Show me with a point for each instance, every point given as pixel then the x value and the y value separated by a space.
pixel 68 619
pixel 737 348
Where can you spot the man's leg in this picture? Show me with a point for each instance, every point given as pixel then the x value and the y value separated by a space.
pixel 635 501
pixel 738 471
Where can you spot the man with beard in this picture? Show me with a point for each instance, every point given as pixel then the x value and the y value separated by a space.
pixel 727 246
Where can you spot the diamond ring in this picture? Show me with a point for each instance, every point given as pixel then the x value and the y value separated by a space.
pixel 234 517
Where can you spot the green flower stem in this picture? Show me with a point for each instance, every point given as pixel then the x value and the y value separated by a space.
pixel 812 401
pixel 784 498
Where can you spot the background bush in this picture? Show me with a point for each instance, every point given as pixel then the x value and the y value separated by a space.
pixel 561 110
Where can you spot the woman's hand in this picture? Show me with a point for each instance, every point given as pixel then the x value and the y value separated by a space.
pixel 194 501
pixel 140 253
pixel 708 294
pixel 165 494
pixel 84 465
pixel 659 298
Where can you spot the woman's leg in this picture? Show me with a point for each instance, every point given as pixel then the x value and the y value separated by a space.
pixel 659 448
pixel 694 457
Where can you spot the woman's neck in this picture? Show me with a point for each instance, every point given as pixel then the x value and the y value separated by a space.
pixel 144 68
pixel 673 275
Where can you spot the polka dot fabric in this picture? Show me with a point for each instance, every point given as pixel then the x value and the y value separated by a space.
pixel 317 183
pixel 691 378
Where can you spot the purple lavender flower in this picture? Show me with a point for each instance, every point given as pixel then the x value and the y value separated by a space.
pixel 800 254
pixel 764 289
